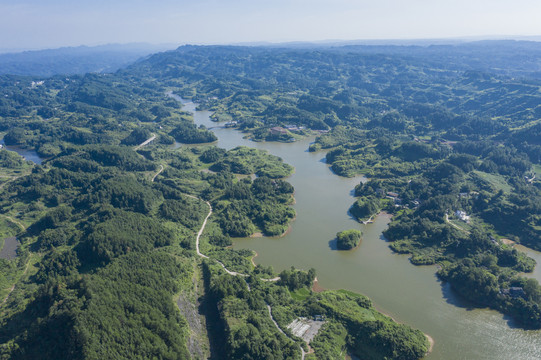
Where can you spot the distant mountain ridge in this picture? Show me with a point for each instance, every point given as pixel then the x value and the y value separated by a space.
pixel 76 60
pixel 509 57
pixel 514 58
pixel 519 59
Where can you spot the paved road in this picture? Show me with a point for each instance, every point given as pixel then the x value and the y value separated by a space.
pixel 146 142
pixel 279 329
pixel 158 173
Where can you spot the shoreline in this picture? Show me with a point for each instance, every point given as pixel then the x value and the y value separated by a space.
pixel 372 218
pixel 429 338
pixel 253 257
pixel 294 201
pixel 288 228
pixel 430 342
pixel 318 288
pixel 353 248
pixel 260 234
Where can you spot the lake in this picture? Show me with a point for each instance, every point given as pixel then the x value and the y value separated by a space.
pixel 29 155
pixel 410 294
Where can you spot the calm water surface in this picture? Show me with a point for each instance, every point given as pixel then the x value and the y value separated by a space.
pixel 29 155
pixel 410 294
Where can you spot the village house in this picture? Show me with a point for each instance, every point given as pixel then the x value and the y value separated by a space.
pixel 462 216
pixel 394 196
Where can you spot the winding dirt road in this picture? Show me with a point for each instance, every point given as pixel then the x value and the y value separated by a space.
pixel 13 287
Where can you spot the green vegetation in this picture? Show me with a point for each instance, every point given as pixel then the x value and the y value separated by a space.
pixel 348 239
pixel 537 170
pixel 436 138
pixel 330 341
pixel 296 280
pixel 244 319
pixel 481 280
pixel 300 294
pixel 372 335
pixel 114 248
pixel 350 317
pixel 109 231
pixel 130 299
pixel 496 181
pixel 366 207
pixel 246 161
pixel 250 205
pixel 187 132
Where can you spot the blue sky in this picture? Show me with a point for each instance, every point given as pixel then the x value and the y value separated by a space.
pixel 33 24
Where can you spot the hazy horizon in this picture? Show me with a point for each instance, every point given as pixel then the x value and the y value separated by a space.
pixel 35 25
pixel 338 42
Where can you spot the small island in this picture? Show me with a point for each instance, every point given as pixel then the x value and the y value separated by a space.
pixel 348 239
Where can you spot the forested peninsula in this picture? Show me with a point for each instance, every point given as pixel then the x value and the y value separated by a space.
pixel 125 231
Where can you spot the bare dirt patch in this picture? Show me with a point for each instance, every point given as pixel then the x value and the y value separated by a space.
pixel 305 328
pixel 9 251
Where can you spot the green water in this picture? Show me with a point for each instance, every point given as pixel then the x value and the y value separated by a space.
pixel 408 293
pixel 536 255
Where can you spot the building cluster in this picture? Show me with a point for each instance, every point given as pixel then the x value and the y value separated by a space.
pixel 394 197
pixel 462 216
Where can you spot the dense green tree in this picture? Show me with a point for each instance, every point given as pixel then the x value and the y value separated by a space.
pixel 348 239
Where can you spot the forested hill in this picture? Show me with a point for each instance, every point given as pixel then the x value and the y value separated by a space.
pixel 503 57
pixel 354 80
pixel 75 60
